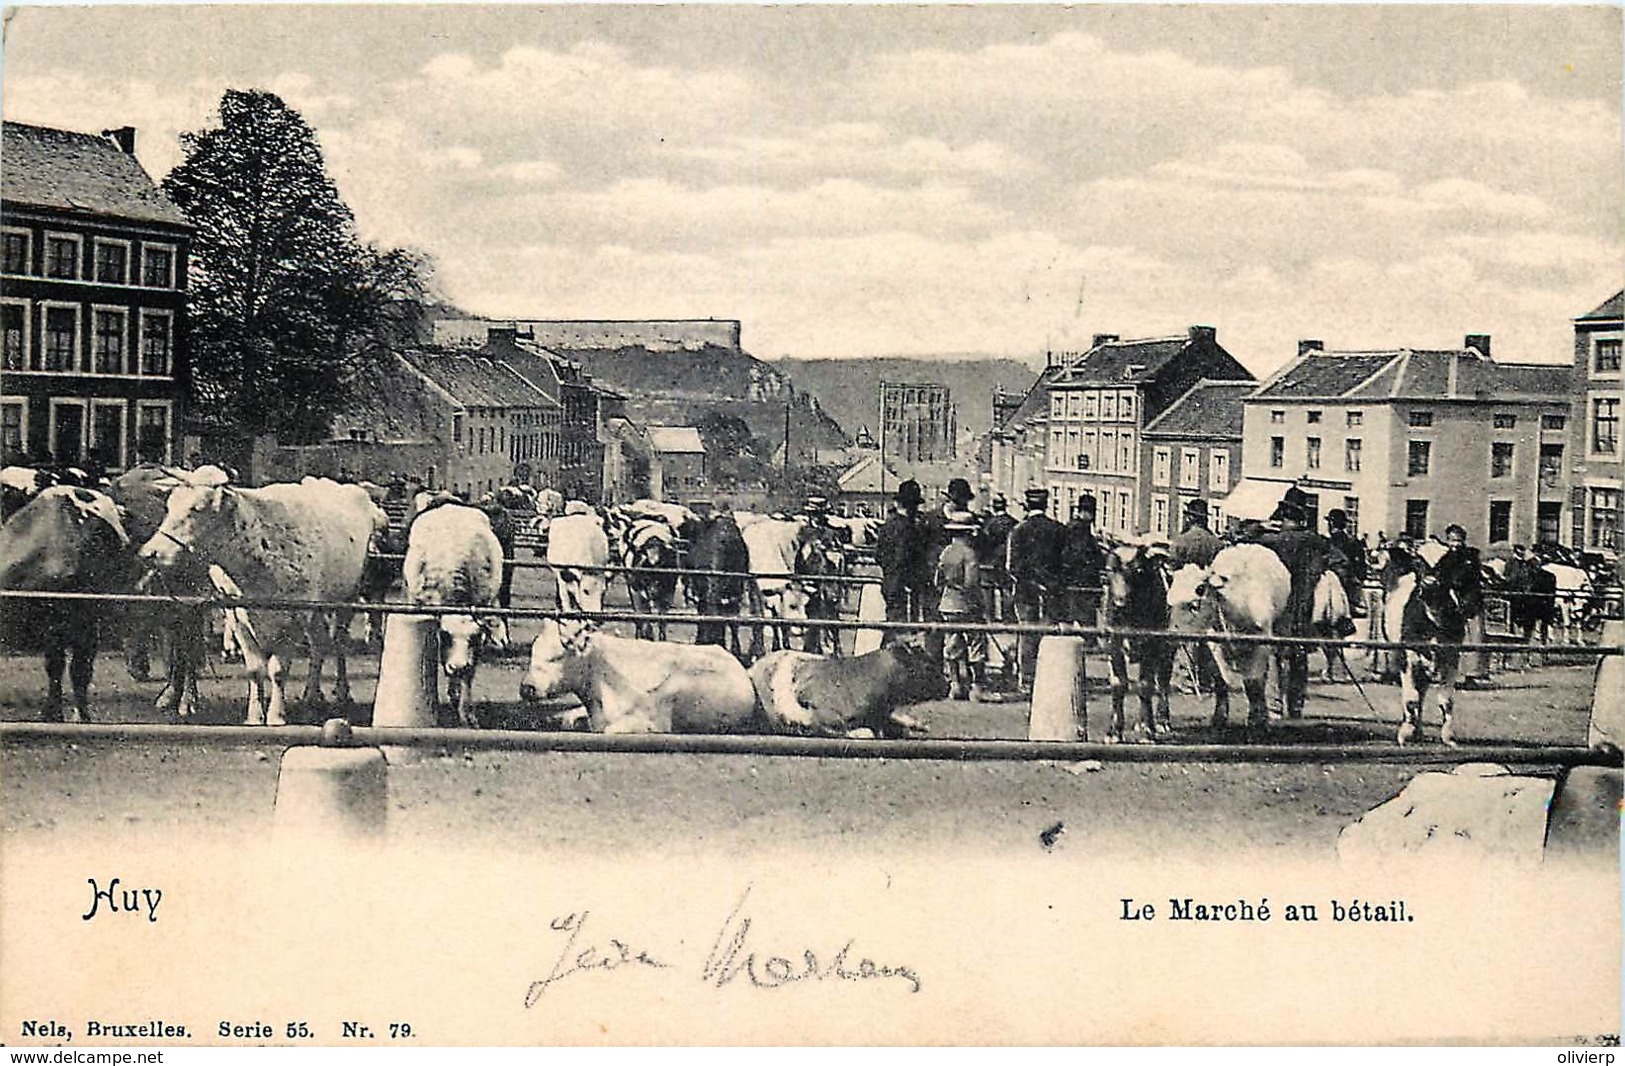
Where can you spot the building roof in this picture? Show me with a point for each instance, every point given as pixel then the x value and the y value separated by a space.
pixel 1122 362
pixel 80 172
pixel 1612 308
pixel 1034 405
pixel 1209 409
pixel 476 380
pixel 1413 374
pixel 676 440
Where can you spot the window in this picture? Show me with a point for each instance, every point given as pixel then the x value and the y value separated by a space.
pixel 1108 449
pixel 1125 452
pixel 62 257
pixel 1500 521
pixel 1607 361
pixel 1501 459
pixel 107 433
pixel 1074 404
pixel 1416 519
pixel 12 429
pixel 1551 465
pixel 1218 471
pixel 457 428
pixel 1503 420
pixel 155 343
pixel 1605 519
pixel 17 246
pixel 1351 507
pixel 1351 455
pixel 67 430
pixel 1190 468
pixel 1277 452
pixel 1057 404
pixel 1604 426
pixel 1086 460
pixel 1356 418
pixel 113 262
pixel 1277 418
pixel 1057 440
pixel 1123 511
pixel 1314 418
pixel 1311 457
pixel 1091 405
pixel 107 355
pixel 152 433
pixel 1553 423
pixel 1125 404
pixel 1159 514
pixel 158 267
pixel 1160 460
pixel 1108 407
pixel 1421 418
pixel 14 336
pixel 1419 458
pixel 61 340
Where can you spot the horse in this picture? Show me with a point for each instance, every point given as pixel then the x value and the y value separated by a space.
pixel 1137 598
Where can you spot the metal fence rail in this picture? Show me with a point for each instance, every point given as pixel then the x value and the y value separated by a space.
pixel 1070 629
pixel 819 747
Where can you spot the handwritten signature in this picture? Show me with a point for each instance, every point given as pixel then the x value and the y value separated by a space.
pixel 733 956
pixel 589 959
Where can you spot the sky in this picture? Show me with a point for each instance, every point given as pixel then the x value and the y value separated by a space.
pixel 1002 179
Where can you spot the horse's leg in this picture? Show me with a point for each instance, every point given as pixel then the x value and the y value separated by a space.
pixel 56 660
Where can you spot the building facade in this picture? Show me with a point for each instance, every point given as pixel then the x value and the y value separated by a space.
pixel 677 467
pixel 1411 441
pixel 1192 451
pixel 94 366
pixel 1594 444
pixel 1099 405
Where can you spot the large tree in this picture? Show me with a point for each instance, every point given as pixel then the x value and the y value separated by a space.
pixel 285 298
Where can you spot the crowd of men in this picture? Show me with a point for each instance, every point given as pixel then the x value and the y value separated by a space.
pixel 947 562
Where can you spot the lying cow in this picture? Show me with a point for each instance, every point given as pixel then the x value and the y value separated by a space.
pixel 65 539
pixel 453 559
pixel 1243 592
pixel 806 694
pixel 640 686
pixel 304 541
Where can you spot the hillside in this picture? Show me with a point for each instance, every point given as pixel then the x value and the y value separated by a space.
pixel 679 387
pixel 849 389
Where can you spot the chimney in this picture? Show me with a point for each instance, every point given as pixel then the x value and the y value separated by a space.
pixel 1209 334
pixel 1105 338
pixel 124 137
pixel 1308 345
pixel 1478 342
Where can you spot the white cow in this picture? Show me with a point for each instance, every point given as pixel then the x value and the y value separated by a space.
pixel 578 551
pixel 1573 594
pixel 304 541
pixel 774 544
pixel 641 686
pixel 453 559
pixel 1243 592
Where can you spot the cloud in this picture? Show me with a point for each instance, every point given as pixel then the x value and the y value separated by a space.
pixel 855 148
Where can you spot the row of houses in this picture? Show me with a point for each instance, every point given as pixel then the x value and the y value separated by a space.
pixel 1402 440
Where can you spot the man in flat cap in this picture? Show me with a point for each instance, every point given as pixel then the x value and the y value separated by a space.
pixel 1037 545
